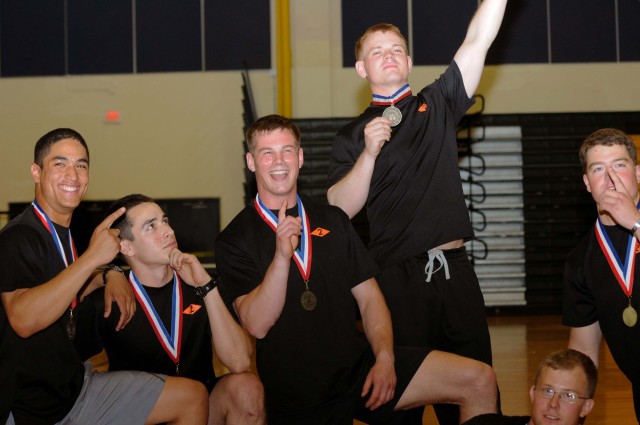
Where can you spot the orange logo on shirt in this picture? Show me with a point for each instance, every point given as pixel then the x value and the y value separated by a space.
pixel 191 309
pixel 320 232
pixel 638 249
pixel 422 108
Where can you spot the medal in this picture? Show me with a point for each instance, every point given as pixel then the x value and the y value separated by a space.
pixel 302 254
pixel 70 326
pixel 308 299
pixel 629 316
pixel 393 114
pixel 623 271
pixel 169 339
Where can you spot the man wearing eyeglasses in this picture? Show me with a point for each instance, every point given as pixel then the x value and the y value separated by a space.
pixel 562 392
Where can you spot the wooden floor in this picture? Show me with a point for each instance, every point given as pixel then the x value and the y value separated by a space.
pixel 521 342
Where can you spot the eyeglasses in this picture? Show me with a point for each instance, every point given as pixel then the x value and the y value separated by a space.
pixel 566 396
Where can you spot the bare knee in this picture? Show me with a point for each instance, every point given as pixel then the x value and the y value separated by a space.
pixel 249 393
pixel 481 392
pixel 237 399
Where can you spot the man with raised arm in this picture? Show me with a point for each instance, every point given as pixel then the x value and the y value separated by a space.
pixel 399 159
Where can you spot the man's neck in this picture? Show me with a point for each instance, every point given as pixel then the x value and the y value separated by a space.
pixel 60 218
pixel 155 277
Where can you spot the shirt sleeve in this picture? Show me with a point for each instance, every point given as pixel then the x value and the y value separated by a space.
pixel 578 304
pixel 21 251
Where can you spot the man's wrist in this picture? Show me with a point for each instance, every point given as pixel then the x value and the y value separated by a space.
pixel 202 291
pixel 106 270
pixel 635 227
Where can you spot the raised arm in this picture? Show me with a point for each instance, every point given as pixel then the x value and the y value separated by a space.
pixel 261 308
pixel 350 193
pixel 587 340
pixel 376 320
pixel 231 342
pixel 53 297
pixel 481 32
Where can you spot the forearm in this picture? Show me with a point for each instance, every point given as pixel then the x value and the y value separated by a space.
pixel 231 342
pixel 50 299
pixel 486 22
pixel 261 308
pixel 351 192
pixel 376 319
pixel 481 33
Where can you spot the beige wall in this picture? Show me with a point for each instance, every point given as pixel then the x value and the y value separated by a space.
pixel 180 134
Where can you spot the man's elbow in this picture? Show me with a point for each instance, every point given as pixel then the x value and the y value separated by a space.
pixel 23 328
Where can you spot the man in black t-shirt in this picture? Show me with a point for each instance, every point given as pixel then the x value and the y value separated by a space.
pixel 180 315
pixel 399 158
pixel 42 276
pixel 600 277
pixel 295 272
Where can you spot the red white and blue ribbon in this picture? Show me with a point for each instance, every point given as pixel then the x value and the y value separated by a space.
pixel 622 270
pixel 302 254
pixel 48 224
pixel 379 100
pixel 170 341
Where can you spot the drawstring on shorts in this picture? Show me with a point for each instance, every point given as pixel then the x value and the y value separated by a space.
pixel 436 254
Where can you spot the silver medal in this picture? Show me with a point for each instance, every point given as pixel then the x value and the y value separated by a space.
pixel 393 114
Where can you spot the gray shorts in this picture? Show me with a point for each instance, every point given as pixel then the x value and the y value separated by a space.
pixel 121 398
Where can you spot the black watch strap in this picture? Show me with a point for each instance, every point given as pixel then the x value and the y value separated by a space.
pixel 110 267
pixel 202 291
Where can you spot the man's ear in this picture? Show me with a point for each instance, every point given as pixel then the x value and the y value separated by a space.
pixel 360 69
pixel 126 248
pixel 250 162
pixel 586 408
pixel 586 182
pixel 35 172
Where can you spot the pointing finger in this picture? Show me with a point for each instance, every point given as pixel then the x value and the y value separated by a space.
pixel 282 212
pixel 111 218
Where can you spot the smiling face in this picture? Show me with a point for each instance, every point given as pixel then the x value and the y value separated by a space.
pixel 62 179
pixel 153 238
pixel 276 159
pixel 385 62
pixel 552 410
pixel 601 161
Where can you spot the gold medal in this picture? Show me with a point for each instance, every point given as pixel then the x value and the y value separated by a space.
pixel 393 114
pixel 629 316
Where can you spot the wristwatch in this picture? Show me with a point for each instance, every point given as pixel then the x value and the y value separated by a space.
pixel 106 270
pixel 202 291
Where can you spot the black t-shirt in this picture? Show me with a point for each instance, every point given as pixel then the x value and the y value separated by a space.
pixel 45 367
pixel 136 347
pixel 308 358
pixel 415 200
pixel 592 293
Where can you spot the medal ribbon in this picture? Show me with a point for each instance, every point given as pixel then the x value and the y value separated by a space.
pixel 302 254
pixel 379 100
pixel 48 224
pixel 171 342
pixel 622 271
